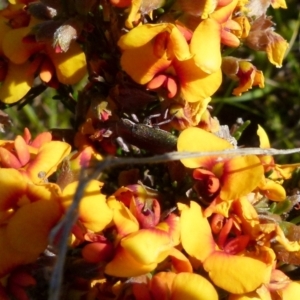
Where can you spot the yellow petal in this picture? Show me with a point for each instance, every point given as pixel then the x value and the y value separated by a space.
pixel 291 246
pixel 278 4
pixel 248 216
pixel 134 13
pixel 50 155
pixel 178 45
pixel 263 138
pixel 193 287
pixel 148 246
pixel 123 219
pixel 276 49
pixel 146 64
pixel 15 49
pixel 141 35
pixel 273 190
pixel 71 65
pixel 17 83
pixel 206 46
pixel 195 84
pixel 94 213
pixel 291 292
pixel 198 140
pixel 29 227
pixel 201 243
pixel 236 274
pixel 10 258
pixel 124 265
pixel 13 187
pixel 241 176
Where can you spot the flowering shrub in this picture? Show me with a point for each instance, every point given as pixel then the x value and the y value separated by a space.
pixel 208 227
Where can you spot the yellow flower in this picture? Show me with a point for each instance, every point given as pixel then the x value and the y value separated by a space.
pixel 233 269
pixel 139 250
pixel 237 175
pixel 38 160
pixel 163 57
pixel 27 214
pixel 17 46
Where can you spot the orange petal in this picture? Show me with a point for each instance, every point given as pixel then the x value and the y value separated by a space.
pixel 8 159
pixel 27 135
pixel 46 70
pixel 161 285
pixel 22 150
pixel 180 262
pixel 193 287
pixel 42 138
pixel 229 39
pixel 97 252
pixel 192 220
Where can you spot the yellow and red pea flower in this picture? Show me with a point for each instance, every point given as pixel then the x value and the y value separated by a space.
pixel 165 56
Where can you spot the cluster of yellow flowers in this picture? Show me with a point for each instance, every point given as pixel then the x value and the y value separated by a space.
pixel 185 230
